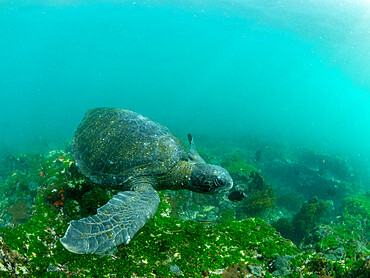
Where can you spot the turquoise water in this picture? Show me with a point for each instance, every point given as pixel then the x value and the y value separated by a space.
pixel 295 71
pixel 276 92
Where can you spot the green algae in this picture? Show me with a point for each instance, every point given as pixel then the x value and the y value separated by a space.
pixel 302 223
pixel 356 212
pixel 258 201
pixel 195 248
pixel 238 167
pixel 19 188
pixel 341 248
pixel 260 196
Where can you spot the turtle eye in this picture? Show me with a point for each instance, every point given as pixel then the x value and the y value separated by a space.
pixel 219 181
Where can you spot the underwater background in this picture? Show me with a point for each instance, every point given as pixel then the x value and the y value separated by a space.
pixel 277 92
pixel 291 70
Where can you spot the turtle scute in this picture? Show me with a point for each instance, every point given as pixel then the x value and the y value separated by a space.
pixel 113 145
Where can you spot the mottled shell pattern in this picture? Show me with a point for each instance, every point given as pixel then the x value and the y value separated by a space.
pixel 112 146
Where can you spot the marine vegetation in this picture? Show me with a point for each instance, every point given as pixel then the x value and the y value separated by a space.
pixel 311 214
pixel 19 212
pixel 238 168
pixel 344 240
pixel 258 195
pixel 164 242
pixel 165 247
pixel 308 173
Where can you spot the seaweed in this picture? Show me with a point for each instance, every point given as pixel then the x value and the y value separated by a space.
pixel 165 247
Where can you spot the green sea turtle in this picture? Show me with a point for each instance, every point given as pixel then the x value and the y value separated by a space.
pixel 122 148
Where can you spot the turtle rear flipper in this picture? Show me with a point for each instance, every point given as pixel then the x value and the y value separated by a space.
pixel 115 222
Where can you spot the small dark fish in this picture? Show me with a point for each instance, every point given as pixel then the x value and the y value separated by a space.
pixel 190 138
pixel 236 196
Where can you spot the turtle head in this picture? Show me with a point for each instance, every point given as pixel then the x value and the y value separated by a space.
pixel 208 178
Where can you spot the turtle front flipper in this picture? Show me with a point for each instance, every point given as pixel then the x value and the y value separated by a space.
pixel 115 222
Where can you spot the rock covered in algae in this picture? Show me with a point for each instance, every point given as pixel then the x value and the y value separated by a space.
pixel 198 249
